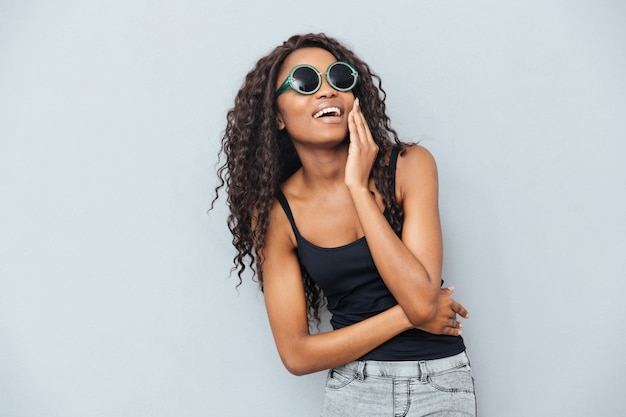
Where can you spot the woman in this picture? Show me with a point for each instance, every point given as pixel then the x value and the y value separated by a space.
pixel 325 197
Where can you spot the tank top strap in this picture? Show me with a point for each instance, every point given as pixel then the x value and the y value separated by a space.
pixel 285 205
pixel 393 162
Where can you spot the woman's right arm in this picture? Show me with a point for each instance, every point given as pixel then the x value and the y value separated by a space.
pixel 300 351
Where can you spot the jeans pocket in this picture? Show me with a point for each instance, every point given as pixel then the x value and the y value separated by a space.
pixel 453 380
pixel 337 379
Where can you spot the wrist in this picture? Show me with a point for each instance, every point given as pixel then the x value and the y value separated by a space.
pixel 360 192
pixel 402 318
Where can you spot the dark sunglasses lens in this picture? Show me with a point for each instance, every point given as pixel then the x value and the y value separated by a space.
pixel 306 80
pixel 342 76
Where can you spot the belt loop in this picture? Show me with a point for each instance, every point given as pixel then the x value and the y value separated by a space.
pixel 360 371
pixel 423 372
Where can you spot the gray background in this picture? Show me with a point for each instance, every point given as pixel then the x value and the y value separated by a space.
pixel 115 298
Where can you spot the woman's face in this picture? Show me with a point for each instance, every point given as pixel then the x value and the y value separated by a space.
pixel 301 115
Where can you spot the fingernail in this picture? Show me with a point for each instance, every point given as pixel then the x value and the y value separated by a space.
pixel 356 102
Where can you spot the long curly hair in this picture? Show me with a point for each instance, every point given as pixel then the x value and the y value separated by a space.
pixel 259 157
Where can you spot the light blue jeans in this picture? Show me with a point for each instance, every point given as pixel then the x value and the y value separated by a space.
pixel 440 387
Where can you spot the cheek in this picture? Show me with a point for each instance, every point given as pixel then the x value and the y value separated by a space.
pixel 292 120
pixel 297 126
pixel 294 115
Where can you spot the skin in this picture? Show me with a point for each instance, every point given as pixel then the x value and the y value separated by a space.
pixel 334 203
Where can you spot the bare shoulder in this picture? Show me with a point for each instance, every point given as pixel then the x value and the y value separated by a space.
pixel 417 156
pixel 416 169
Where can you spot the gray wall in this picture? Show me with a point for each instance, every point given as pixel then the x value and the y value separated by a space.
pixel 114 291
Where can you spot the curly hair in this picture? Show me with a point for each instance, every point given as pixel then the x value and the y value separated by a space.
pixel 259 157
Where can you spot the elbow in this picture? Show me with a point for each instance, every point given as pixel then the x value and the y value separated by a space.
pixel 296 362
pixel 296 370
pixel 421 314
pixel 421 310
pixel 297 356
pixel 296 366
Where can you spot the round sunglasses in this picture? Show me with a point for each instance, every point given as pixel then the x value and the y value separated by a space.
pixel 306 79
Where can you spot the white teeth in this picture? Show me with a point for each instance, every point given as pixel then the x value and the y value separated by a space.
pixel 328 110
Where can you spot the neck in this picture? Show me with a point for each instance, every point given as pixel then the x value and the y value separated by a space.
pixel 322 168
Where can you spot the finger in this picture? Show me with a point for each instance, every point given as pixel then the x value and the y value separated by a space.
pixel 355 127
pixel 364 131
pixel 351 124
pixel 460 310
pixel 451 331
pixel 359 122
pixel 446 290
pixel 453 322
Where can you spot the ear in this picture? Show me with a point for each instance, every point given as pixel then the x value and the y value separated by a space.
pixel 280 122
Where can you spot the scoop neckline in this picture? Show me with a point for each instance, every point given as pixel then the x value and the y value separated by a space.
pixel 347 245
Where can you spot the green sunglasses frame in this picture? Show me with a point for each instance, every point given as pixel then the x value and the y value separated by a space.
pixel 290 79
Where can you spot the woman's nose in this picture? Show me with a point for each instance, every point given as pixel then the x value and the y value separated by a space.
pixel 325 89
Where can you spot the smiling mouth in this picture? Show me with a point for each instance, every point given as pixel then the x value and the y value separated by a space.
pixel 328 112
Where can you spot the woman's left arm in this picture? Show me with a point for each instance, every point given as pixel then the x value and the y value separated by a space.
pixel 410 265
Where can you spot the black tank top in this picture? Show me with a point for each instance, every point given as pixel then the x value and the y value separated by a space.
pixel 355 291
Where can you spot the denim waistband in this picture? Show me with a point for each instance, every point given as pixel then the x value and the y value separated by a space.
pixel 406 369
